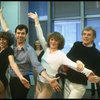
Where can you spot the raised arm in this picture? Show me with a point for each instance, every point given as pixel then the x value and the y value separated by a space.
pixel 39 31
pixel 3 22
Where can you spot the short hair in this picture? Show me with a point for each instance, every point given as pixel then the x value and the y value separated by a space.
pixel 22 26
pixel 59 37
pixel 8 36
pixel 89 28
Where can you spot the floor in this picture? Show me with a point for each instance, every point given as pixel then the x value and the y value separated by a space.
pixel 87 95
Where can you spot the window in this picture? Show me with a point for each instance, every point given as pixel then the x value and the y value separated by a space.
pixel 94 22
pixel 70 29
pixel 92 7
pixel 63 9
pixel 39 7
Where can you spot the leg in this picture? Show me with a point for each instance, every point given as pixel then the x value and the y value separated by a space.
pixel 59 94
pixel 92 90
pixel 17 88
pixel 77 91
pixel 2 91
pixel 66 89
pixel 43 91
pixel 37 89
pixel 44 94
pixel 98 90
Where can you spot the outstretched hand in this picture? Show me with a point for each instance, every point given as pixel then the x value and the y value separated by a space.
pixel 25 82
pixel 54 84
pixel 93 78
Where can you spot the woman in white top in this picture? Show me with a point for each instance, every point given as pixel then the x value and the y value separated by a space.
pixel 53 58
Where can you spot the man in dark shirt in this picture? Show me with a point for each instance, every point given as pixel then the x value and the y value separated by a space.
pixel 75 83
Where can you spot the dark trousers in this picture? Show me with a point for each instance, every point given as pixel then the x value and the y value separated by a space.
pixel 17 89
pixel 93 89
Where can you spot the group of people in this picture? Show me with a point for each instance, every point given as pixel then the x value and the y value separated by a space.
pixel 82 66
pixel 84 51
pixel 21 57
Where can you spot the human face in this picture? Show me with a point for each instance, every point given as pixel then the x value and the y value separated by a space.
pixel 54 43
pixel 3 43
pixel 87 37
pixel 38 45
pixel 21 36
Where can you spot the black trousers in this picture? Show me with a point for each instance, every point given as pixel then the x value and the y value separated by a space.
pixel 93 89
pixel 17 89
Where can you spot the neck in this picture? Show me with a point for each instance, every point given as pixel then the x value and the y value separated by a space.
pixel 1 49
pixel 20 44
pixel 88 45
pixel 52 50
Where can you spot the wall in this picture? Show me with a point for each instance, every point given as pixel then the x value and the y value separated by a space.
pixel 15 13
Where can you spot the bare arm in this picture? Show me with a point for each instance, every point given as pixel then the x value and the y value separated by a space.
pixel 52 81
pixel 14 66
pixel 3 22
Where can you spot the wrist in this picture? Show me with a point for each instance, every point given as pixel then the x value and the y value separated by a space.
pixel 1 16
pixel 86 71
pixel 36 25
pixel 20 77
pixel 36 21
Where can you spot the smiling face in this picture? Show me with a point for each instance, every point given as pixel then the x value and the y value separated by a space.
pixel 88 37
pixel 21 35
pixel 54 43
pixel 37 45
pixel 21 32
pixel 3 43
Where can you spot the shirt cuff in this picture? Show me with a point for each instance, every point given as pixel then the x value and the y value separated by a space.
pixel 86 71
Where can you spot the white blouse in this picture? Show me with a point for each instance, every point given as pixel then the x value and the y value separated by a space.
pixel 52 61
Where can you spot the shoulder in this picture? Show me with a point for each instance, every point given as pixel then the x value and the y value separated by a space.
pixel 98 52
pixel 42 52
pixel 77 43
pixel 9 51
pixel 29 47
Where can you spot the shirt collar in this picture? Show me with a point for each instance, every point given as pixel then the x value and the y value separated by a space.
pixel 22 48
pixel 90 45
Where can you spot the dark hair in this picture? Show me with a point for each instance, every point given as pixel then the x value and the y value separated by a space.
pixel 88 28
pixel 34 45
pixel 59 37
pixel 22 26
pixel 8 36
